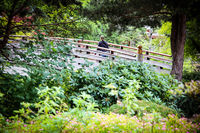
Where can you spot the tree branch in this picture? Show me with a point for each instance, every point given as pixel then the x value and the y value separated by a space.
pixel 144 16
pixel 19 10
pixel 42 24
pixel 5 55
pixel 166 13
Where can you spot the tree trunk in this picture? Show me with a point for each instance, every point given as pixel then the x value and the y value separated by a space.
pixel 8 26
pixel 7 33
pixel 178 36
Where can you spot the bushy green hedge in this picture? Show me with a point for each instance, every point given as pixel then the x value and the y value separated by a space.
pixel 89 122
pixel 17 89
pixel 45 64
pixel 189 100
pixel 144 107
pixel 153 86
pixel 188 76
pixel 44 71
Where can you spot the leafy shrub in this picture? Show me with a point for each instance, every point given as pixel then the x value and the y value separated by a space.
pixel 196 118
pixel 84 121
pixel 144 107
pixel 86 102
pixel 150 107
pixel 153 86
pixel 51 100
pixel 188 76
pixel 115 108
pixel 16 89
pixel 189 101
pixel 45 64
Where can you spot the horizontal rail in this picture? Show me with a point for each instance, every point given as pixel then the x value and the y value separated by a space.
pixel 122 46
pixel 122 52
pixel 116 45
pixel 125 52
pixel 158 58
pixel 90 41
pixel 111 50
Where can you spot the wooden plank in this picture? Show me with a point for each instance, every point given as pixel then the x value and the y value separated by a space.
pixel 127 51
pixel 126 57
pixel 123 46
pixel 108 54
pixel 122 52
pixel 94 46
pixel 99 58
pixel 155 63
pixel 162 71
pixel 158 58
pixel 156 53
pixel 91 57
pixel 112 44
pixel 93 51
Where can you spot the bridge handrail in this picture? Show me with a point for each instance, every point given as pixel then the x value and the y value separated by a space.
pixel 112 44
pixel 111 50
pixel 121 52
pixel 123 46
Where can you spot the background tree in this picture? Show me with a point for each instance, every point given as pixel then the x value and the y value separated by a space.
pixel 18 15
pixel 162 42
pixel 193 42
pixel 143 12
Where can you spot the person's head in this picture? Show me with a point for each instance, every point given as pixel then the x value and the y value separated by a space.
pixel 102 37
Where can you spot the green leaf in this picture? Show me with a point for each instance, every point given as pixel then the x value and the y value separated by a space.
pixel 1 94
pixel 110 86
pixel 54 49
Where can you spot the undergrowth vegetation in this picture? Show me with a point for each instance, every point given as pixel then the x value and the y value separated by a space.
pixel 144 107
pixel 89 122
pixel 114 96
pixel 139 78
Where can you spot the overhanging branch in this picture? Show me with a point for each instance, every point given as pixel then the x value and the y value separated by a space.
pixel 42 24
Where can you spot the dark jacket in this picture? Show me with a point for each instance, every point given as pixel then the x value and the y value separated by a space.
pixel 103 44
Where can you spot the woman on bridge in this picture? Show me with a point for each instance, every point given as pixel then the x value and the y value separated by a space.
pixel 103 44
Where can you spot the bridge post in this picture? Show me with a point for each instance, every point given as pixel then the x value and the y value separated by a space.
pixel 79 41
pixel 24 39
pixel 147 53
pixel 139 54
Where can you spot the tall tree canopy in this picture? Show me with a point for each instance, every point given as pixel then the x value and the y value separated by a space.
pixel 18 15
pixel 122 13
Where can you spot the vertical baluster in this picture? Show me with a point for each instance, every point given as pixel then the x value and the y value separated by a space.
pixel 140 55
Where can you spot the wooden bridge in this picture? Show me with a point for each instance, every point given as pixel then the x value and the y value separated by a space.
pixel 88 49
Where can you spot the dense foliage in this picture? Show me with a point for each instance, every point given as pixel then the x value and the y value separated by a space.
pixel 150 85
pixel 84 121
pixel 189 101
pixel 105 83
pixel 25 15
pixel 42 91
pixel 188 76
pixel 50 90
pixel 144 107
pixel 30 66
